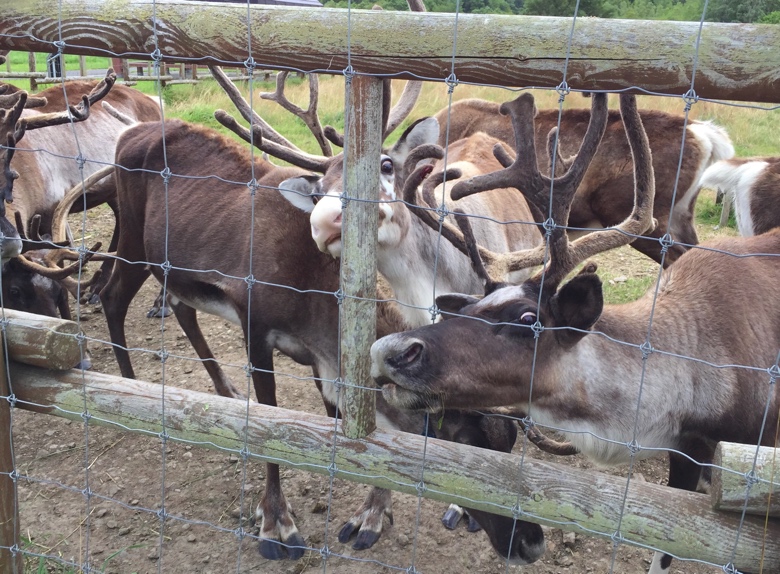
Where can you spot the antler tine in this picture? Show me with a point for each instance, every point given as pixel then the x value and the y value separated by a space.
pixel 418 154
pixel 10 114
pixel 401 110
pixel 60 216
pixel 74 287
pixel 640 220
pixel 558 165
pixel 77 113
pixel 247 112
pixel 301 159
pixel 473 250
pixel 309 116
pixel 51 270
pixel 124 118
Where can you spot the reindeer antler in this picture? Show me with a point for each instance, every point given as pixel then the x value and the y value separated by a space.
pixel 77 113
pixel 309 116
pixel 555 196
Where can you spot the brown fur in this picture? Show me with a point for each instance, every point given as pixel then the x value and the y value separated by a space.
pixel 605 196
pixel 291 300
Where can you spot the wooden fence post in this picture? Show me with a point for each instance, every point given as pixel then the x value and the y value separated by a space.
pixel 363 146
pixel 31 63
pixel 9 511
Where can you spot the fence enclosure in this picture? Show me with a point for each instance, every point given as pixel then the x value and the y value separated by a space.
pixel 735 62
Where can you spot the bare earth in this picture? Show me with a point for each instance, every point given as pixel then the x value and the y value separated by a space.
pixel 203 488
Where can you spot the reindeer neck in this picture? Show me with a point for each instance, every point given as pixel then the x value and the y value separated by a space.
pixel 409 268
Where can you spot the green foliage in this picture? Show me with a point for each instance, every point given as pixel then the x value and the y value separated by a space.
pixel 600 8
pixel 771 18
pixel 740 10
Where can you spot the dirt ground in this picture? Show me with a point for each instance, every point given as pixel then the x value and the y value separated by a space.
pixel 203 488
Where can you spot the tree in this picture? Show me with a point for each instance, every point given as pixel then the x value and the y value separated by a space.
pixel 740 10
pixel 600 8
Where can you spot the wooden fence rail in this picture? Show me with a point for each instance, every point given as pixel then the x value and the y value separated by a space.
pixel 735 62
pixel 682 523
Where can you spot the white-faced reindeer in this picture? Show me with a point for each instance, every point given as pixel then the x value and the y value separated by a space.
pixel 287 307
pixel 706 377
pixel 603 198
pixel 754 186
pixel 408 255
pixel 39 155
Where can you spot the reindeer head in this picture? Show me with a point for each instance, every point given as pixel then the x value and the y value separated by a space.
pixel 484 353
pixel 321 195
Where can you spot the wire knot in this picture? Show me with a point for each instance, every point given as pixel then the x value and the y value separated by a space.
pixel 666 242
pixel 563 90
pixel 166 267
pixel 250 281
pixel 690 97
pixel 452 82
pixel 349 73
pixel 250 65
pixel 253 186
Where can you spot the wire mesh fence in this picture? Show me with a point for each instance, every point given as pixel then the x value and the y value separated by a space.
pixel 228 233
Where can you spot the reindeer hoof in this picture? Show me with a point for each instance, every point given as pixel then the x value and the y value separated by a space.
pixel 452 517
pixel 366 539
pixel 293 548
pixel 346 532
pixel 272 550
pixel 157 312
pixel 473 525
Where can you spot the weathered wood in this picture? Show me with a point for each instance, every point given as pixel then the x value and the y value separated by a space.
pixel 729 487
pixel 358 260
pixel 681 523
pixel 10 562
pixel 735 62
pixel 46 342
pixel 31 63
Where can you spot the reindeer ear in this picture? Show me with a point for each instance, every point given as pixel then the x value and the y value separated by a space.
pixel 423 131
pixel 577 304
pixel 454 303
pixel 299 191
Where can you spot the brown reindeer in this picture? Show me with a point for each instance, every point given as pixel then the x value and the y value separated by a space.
pixel 707 353
pixel 603 199
pixel 287 307
pixel 753 184
pixel 40 165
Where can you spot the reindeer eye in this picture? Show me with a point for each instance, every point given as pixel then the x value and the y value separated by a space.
pixel 387 166
pixel 527 318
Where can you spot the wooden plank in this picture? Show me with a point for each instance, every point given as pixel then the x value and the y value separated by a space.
pixel 678 522
pixel 363 146
pixel 729 487
pixel 47 342
pixel 10 562
pixel 736 61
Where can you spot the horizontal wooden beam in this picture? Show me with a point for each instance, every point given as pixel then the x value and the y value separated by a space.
pixel 681 523
pixel 729 487
pixel 735 61
pixel 47 342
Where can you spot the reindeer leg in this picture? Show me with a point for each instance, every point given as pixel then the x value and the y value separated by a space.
pixel 92 296
pixel 117 296
pixel 368 519
pixel 188 320
pixel 277 529
pixel 684 474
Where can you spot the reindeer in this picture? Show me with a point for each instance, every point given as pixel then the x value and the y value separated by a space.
pixel 287 307
pixel 587 357
pixel 601 200
pixel 49 172
pixel 754 186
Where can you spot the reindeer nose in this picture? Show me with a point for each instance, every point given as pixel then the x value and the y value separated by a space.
pixel 325 221
pixel 394 353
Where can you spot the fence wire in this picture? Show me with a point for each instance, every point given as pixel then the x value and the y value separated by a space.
pixel 408 550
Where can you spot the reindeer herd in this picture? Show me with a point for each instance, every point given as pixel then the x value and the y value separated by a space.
pixel 528 198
